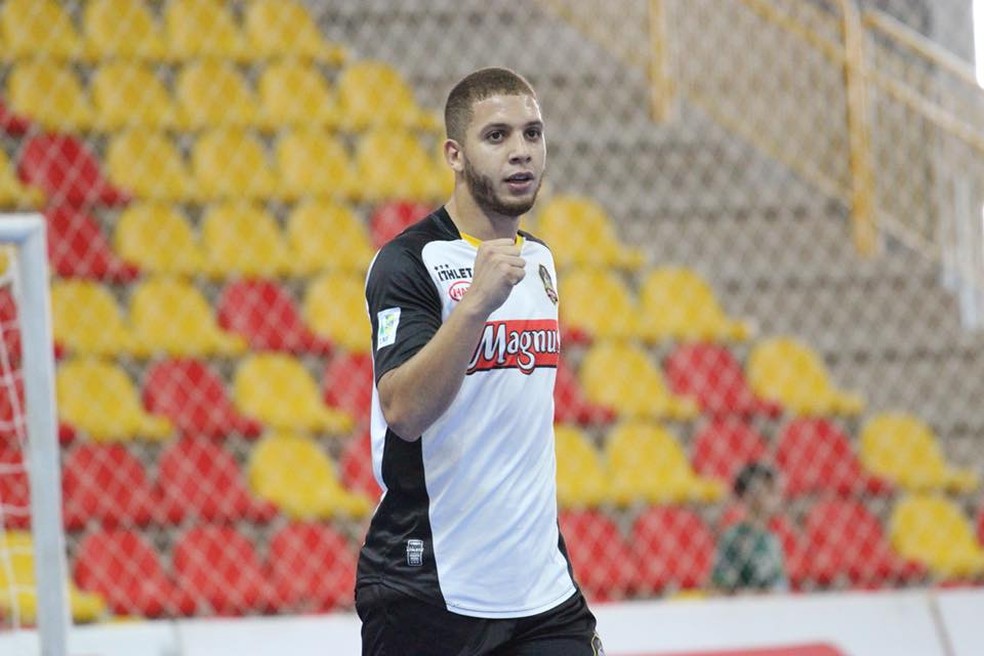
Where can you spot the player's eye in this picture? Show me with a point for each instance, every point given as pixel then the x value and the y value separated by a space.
pixel 534 133
pixel 495 136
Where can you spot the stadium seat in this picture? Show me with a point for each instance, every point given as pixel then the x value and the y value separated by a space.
pixel 314 564
pixel 623 377
pixel 903 449
pixel 221 569
pixel 192 396
pixel 283 28
pixel 201 482
pixel 816 456
pixel 129 94
pixel 391 218
pixel 15 494
pixel 10 342
pixel 122 29
pixel 50 94
pixel 38 28
pixel 157 238
pixel 335 308
pixel 597 304
pixel 392 164
pixel 673 549
pixel 934 531
pixel 571 405
pixel 240 238
pixel 326 236
pixel 268 318
pixel 202 29
pixel 87 321
pixel 149 165
pixel 788 372
pixel 77 248
pixel 315 164
pixel 19 583
pixel 13 124
pixel 66 172
pixel 296 94
pixel 348 384
pixel 13 193
pixel 600 556
pixel 677 304
pixel 276 390
pixel 724 445
pixel 212 93
pixel 99 399
pixel 229 163
pixel 646 463
pixel 713 376
pixel 582 480
pixel 172 317
pixel 292 472
pixel 372 93
pixel 580 233
pixel 107 484
pixel 124 569
pixel 355 467
pixel 843 537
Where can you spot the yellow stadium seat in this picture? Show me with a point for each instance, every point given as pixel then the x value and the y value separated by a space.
pixel 204 28
pixel 36 28
pixel 158 239
pixel 597 302
pixel 373 93
pixel 581 477
pixel 786 371
pixel 232 164
pixel 126 93
pixel 213 93
pixel 86 319
pixel 51 94
pixel 18 584
pixel 14 193
pixel 122 28
pixel 325 236
pixel 283 28
pixel 335 308
pixel 276 390
pixel 294 93
pixel 580 232
pixel 98 398
pixel 933 531
pixel 312 162
pixel 392 164
pixel 904 450
pixel 170 316
pixel 678 304
pixel 242 239
pixel 149 166
pixel 623 377
pixel 646 463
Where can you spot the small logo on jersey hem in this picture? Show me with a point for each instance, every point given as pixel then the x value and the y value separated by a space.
pixel 415 553
pixel 548 285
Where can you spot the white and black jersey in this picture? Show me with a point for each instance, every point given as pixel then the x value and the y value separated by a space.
pixel 468 518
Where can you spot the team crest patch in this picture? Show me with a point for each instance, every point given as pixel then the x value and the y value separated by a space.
pixel 599 650
pixel 389 320
pixel 548 285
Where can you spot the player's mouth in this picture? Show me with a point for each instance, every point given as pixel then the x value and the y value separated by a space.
pixel 520 182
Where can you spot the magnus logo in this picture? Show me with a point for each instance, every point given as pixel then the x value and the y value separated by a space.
pixel 523 345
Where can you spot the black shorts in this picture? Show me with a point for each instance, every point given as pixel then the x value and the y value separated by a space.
pixel 395 624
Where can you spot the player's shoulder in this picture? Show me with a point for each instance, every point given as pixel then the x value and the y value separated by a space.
pixel 533 239
pixel 407 247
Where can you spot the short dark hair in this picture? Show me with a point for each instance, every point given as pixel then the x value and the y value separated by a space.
pixel 477 86
pixel 752 473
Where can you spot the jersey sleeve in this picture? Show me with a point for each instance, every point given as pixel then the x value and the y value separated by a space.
pixel 404 308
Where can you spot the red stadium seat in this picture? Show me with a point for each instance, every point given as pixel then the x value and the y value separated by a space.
pixel 791 538
pixel 67 172
pixel 570 404
pixel 193 397
pixel 673 548
pixel 816 456
pixel 712 375
pixel 266 315
pixel 355 468
pixel 12 123
pixel 601 558
pixel 724 446
pixel 348 384
pixel 12 426
pixel 980 526
pixel 200 480
pixel 78 248
pixel 10 327
pixel 15 495
pixel 122 567
pixel 222 570
pixel 108 484
pixel 314 566
pixel 390 219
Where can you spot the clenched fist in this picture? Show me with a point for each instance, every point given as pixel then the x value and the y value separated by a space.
pixel 498 268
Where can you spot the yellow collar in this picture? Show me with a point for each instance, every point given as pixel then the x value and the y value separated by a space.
pixel 476 242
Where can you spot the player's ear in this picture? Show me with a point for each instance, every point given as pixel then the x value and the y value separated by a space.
pixel 453 155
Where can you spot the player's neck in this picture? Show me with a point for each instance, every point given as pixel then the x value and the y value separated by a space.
pixel 472 220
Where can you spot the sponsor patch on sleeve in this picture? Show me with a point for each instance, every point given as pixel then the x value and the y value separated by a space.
pixel 388 321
